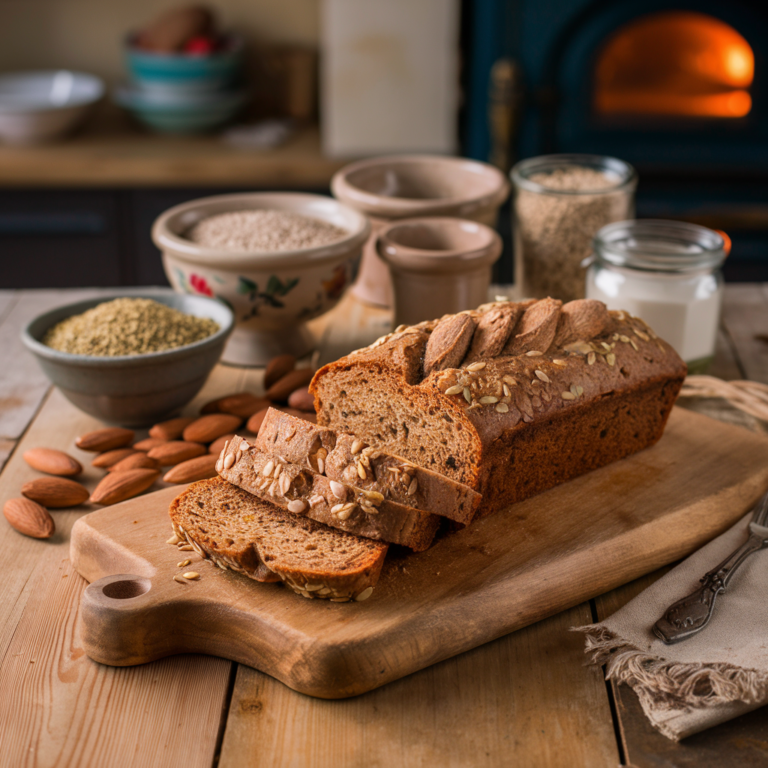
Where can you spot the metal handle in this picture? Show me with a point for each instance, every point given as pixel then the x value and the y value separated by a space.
pixel 690 615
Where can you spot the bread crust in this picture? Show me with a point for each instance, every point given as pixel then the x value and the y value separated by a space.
pixel 502 409
pixel 301 490
pixel 346 459
pixel 242 533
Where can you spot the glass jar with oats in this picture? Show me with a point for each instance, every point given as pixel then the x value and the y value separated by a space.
pixel 560 202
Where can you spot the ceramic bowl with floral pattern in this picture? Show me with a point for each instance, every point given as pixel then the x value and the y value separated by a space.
pixel 272 293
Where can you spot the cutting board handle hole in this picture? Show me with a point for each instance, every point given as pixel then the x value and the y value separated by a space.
pixel 126 587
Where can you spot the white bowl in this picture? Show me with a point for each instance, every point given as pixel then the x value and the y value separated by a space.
pixel 272 293
pixel 40 106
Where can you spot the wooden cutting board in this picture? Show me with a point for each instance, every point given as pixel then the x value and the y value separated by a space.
pixel 556 550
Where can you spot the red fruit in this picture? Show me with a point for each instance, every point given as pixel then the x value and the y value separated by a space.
pixel 199 46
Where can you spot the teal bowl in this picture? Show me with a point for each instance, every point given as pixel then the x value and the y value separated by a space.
pixel 185 72
pixel 182 112
pixel 132 390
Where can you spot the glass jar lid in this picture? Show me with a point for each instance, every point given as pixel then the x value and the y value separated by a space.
pixel 619 175
pixel 656 245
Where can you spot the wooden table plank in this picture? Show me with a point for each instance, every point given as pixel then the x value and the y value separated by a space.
pixel 745 317
pixel 525 699
pixel 62 708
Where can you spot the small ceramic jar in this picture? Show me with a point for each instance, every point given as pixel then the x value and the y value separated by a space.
pixel 408 186
pixel 438 265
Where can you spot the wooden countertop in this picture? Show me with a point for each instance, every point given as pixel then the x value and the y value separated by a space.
pixel 525 699
pixel 112 151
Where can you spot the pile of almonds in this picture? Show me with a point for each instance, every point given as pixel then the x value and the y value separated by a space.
pixel 189 446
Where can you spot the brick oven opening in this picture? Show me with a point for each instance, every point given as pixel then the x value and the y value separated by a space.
pixel 674 63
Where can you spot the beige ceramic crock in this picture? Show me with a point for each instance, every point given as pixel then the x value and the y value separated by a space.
pixel 408 186
pixel 438 265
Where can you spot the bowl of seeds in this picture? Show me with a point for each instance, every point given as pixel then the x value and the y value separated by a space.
pixel 278 259
pixel 131 359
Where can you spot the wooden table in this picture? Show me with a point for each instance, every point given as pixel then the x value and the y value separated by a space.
pixel 524 700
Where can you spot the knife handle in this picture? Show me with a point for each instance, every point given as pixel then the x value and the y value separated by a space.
pixel 690 615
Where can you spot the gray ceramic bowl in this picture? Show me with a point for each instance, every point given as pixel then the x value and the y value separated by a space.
pixel 132 390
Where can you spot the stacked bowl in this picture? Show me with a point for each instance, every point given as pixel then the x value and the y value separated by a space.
pixel 185 91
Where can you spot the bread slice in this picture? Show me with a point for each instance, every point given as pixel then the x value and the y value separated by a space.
pixel 346 459
pixel 301 491
pixel 242 533
pixel 575 387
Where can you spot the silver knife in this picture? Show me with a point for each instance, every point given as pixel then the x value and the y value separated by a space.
pixel 690 615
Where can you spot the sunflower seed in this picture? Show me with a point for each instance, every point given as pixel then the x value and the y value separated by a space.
pixel 502 408
pixel 191 575
pixel 489 399
pixel 634 345
pixel 506 391
pixel 467 395
pixel 321 466
pixel 413 487
pixel 541 375
pixel 561 363
pixel 186 548
pixel 285 484
pixel 534 353
pixel 364 595
pixel 338 490
pixel 180 579
pixel 315 500
pixel 567 396
pixel 268 468
pixel 173 540
pixel 345 511
pixel 478 366
pixel 183 563
pixel 361 470
pixel 591 357
pixel 456 389
pixel 357 446
pixel 643 336
pixel 296 506
pixel 610 359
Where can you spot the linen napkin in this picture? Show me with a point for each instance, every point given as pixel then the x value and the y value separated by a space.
pixel 711 677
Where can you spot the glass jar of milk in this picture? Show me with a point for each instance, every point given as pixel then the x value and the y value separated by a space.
pixel 668 274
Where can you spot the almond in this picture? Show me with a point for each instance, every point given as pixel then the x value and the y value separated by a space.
pixel 149 443
pixel 207 428
pixel 242 404
pixel 200 468
pixel 171 429
pixel 110 458
pixel 301 400
pixel 29 518
pixel 217 446
pixel 176 451
pixel 55 492
pixel 255 422
pixel 119 486
pixel 277 367
pixel 52 462
pixel 137 460
pixel 105 439
pixel 283 387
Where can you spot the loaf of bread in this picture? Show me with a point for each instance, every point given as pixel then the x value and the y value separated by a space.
pixel 509 399
pixel 302 491
pixel 242 533
pixel 347 459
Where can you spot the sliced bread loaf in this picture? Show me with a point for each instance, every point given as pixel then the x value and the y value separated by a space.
pixel 242 533
pixel 346 459
pixel 511 404
pixel 304 492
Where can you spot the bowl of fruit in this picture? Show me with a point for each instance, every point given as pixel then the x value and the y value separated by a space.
pixel 182 51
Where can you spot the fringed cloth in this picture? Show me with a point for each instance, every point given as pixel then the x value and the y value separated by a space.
pixel 712 677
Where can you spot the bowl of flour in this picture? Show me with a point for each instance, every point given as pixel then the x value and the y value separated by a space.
pixel 276 259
